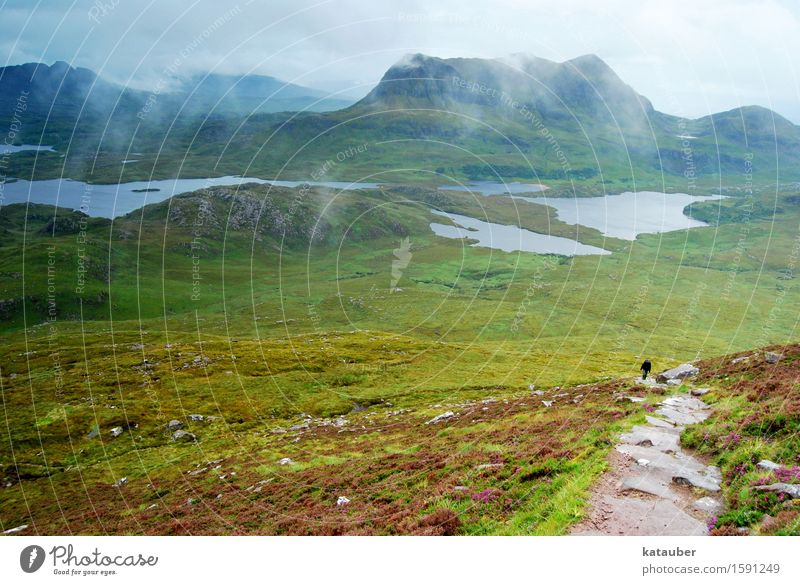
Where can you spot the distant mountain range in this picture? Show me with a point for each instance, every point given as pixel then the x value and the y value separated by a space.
pixel 519 118
pixel 60 89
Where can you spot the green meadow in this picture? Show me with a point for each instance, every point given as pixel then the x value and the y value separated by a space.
pixel 272 313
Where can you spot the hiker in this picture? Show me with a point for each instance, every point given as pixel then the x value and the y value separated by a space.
pixel 646 367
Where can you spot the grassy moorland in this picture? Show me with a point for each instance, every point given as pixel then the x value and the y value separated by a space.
pixel 268 311
pixel 756 416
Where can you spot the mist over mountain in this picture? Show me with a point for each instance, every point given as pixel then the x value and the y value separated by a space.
pixel 517 118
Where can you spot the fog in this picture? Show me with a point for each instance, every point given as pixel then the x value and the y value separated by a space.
pixel 689 58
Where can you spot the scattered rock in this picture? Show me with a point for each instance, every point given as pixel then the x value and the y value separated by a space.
pixel 538 393
pixel 196 417
pixel 708 505
pixel 15 529
pixel 342 501
pixel 484 466
pixel 184 436
pixel 531 387
pixel 439 418
pixel 791 490
pixel 700 391
pixel 174 425
pixel 772 358
pixel 678 373
pixel 286 461
pixel 636 399
pixel 120 482
pixel 643 462
pixel 768 465
pixel 547 403
pixel 116 432
pixel 741 359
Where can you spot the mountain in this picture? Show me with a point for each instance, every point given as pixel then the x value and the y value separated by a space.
pixel 582 85
pixel 575 115
pixel 575 125
pixel 250 94
pixel 63 105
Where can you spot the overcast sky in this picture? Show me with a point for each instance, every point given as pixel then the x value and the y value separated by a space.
pixel 690 57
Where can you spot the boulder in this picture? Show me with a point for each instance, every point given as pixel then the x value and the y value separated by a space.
pixel 184 436
pixel 174 425
pixel 768 465
pixel 772 358
pixel 791 490
pixel 116 432
pixel 678 373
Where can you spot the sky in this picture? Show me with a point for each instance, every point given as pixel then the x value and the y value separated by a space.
pixel 689 57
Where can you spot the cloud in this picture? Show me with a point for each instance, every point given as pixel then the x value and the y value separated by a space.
pixel 690 58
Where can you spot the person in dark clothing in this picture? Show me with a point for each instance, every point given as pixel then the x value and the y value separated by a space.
pixel 646 367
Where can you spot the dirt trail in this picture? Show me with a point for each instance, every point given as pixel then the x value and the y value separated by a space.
pixel 653 486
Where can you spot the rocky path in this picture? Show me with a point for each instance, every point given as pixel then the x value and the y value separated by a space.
pixel 653 486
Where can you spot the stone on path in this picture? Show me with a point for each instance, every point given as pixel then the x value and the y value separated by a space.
pixel 646 493
pixel 708 505
pixel 644 517
pixel 646 484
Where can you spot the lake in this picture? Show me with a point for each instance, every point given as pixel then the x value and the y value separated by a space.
pixel 509 238
pixel 11 149
pixel 119 199
pixel 627 215
pixel 624 215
